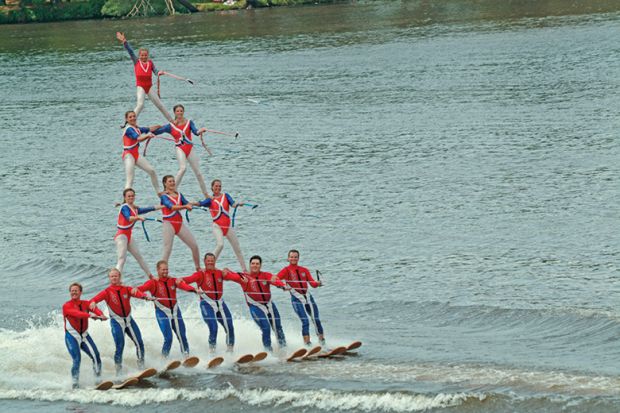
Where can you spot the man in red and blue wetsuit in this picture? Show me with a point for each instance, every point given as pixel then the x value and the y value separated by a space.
pixel 117 297
pixel 298 278
pixel 76 313
pixel 212 305
pixel 167 311
pixel 257 289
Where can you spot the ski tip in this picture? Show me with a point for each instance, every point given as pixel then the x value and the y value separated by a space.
pixel 299 353
pixel 245 359
pixel 146 374
pixel 312 351
pixel 191 361
pixel 215 362
pixel 354 345
pixel 260 356
pixel 172 365
pixel 129 382
pixel 104 385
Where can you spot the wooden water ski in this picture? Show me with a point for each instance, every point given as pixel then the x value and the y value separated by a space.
pixel 191 361
pixel 146 374
pixel 259 356
pixel 127 383
pixel 246 358
pixel 104 385
pixel 215 362
pixel 334 352
pixel 312 352
pixel 175 364
pixel 354 345
pixel 297 354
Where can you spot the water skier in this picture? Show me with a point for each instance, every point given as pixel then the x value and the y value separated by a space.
pixel 298 278
pixel 76 313
pixel 132 136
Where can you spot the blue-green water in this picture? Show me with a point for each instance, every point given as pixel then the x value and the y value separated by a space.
pixel 450 167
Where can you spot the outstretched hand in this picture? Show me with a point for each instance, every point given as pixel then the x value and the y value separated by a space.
pixel 121 37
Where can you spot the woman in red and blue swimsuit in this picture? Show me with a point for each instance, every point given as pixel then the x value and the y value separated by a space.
pixel 132 136
pixel 181 130
pixel 128 215
pixel 173 203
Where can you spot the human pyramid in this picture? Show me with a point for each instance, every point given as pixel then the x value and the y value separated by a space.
pixel 162 289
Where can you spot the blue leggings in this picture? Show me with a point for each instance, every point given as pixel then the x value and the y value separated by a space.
pixel 118 332
pixel 167 325
pixel 305 310
pixel 266 321
pixel 212 318
pixel 87 346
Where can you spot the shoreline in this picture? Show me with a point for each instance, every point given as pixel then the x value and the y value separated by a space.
pixel 106 9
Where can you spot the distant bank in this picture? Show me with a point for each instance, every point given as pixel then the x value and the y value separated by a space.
pixel 31 11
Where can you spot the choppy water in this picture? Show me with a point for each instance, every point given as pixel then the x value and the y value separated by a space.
pixel 451 167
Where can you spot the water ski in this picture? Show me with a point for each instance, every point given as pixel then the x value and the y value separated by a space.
pixel 295 355
pixel 191 361
pixel 354 345
pixel 312 352
pixel 259 356
pixel 172 365
pixel 215 362
pixel 146 374
pixel 334 352
pixel 129 382
pixel 104 385
pixel 246 358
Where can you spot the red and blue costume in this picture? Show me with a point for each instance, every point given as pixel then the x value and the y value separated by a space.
pixel 212 305
pixel 173 217
pixel 167 311
pixel 182 135
pixel 124 224
pixel 117 298
pixel 220 210
pixel 131 146
pixel 298 278
pixel 143 71
pixel 257 290
pixel 76 315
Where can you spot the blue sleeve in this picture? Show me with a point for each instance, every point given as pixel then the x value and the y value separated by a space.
pixel 192 126
pixel 230 200
pixel 132 134
pixel 183 200
pixel 164 129
pixel 132 54
pixel 205 202
pixel 125 211
pixel 165 201
pixel 145 210
pixel 144 129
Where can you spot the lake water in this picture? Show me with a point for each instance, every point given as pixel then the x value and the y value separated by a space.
pixel 451 167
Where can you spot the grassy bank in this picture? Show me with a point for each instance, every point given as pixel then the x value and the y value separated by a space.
pixel 43 11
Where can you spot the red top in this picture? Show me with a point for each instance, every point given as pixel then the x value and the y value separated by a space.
pixel 76 312
pixel 117 298
pixel 144 74
pixel 258 288
pixel 211 282
pixel 165 288
pixel 298 278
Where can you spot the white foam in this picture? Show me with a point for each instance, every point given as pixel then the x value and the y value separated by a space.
pixel 321 399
